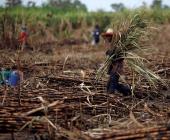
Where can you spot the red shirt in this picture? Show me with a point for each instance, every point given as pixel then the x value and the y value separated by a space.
pixel 23 37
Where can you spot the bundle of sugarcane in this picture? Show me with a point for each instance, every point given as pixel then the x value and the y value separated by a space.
pixel 125 44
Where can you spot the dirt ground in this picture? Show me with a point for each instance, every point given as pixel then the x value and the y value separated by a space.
pixel 83 109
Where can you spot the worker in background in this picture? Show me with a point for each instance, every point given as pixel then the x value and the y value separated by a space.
pixel 1 78
pixel 96 35
pixel 6 72
pixel 23 38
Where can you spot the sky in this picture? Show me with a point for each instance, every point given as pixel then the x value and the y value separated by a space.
pixel 94 5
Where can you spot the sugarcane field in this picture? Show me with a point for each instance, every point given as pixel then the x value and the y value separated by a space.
pixel 69 71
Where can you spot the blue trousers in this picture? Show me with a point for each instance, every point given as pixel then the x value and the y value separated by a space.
pixel 96 39
pixel 113 84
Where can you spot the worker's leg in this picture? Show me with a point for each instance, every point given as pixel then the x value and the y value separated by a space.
pixel 112 83
pixel 108 84
pixel 96 41
pixel 5 93
pixel 125 90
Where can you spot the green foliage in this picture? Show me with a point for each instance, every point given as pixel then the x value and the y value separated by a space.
pixel 57 20
pixel 118 7
pixel 68 5
pixel 157 4
pixel 12 3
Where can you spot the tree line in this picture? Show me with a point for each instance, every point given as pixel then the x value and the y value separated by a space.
pixel 77 4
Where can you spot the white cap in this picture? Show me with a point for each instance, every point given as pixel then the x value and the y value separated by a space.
pixel 109 31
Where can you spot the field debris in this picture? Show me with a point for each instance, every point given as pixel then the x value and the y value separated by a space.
pixel 79 108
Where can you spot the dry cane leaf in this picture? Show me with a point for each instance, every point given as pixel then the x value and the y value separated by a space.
pixel 132 117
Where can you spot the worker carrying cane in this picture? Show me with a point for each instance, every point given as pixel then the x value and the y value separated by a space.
pixel 116 67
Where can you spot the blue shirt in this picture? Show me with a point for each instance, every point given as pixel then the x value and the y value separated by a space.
pixel 14 78
pixel 96 33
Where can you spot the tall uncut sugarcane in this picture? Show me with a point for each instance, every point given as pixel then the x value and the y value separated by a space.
pixel 125 43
